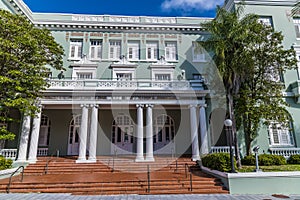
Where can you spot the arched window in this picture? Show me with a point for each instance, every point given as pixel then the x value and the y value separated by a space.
pixel 74 128
pixel 44 131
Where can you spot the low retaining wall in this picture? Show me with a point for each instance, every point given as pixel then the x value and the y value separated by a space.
pixel 259 182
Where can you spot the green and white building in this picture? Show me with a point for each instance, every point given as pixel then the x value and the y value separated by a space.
pixel 141 86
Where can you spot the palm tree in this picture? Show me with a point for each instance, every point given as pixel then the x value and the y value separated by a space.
pixel 228 36
pixel 296 8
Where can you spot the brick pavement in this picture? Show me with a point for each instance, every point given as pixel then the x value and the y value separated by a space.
pixel 45 196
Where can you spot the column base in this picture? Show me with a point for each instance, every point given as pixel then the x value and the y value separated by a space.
pixel 81 160
pixel 21 161
pixel 195 158
pixel 139 159
pixel 149 159
pixel 32 161
pixel 92 160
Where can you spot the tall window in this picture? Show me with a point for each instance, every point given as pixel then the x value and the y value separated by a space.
pixel 124 76
pixel 44 131
pixel 198 52
pixel 115 49
pixel 164 129
pixel 280 135
pixel 75 49
pixel 84 75
pixel 297 26
pixel 266 20
pixel 122 130
pixel 133 50
pixel 95 49
pixel 152 50
pixel 163 77
pixel 171 51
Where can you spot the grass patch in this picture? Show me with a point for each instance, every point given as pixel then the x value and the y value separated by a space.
pixel 272 168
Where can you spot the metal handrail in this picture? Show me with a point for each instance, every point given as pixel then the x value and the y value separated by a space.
pixel 50 159
pixel 186 169
pixel 10 178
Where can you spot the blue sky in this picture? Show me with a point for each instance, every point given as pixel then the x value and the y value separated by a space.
pixel 195 8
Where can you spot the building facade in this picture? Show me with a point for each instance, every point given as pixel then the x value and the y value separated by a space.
pixel 141 86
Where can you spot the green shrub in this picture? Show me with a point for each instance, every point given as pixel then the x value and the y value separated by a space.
pixel 248 160
pixel 217 161
pixel 294 159
pixel 268 159
pixel 5 163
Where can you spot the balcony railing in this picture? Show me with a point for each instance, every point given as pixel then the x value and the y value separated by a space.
pixel 125 84
pixel 220 149
pixel 286 152
pixel 12 153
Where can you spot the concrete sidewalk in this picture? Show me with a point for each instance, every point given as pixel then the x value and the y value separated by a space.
pixel 45 196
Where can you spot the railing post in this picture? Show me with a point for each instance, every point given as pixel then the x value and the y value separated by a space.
pixel 148 177
pixel 191 181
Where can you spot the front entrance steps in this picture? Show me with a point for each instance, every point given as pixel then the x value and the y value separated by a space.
pixel 114 176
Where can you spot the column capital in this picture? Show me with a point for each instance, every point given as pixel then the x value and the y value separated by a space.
pixel 193 106
pixel 203 105
pixel 94 105
pixel 149 105
pixel 139 105
pixel 84 105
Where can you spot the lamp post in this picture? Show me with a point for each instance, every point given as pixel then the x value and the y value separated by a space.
pixel 228 124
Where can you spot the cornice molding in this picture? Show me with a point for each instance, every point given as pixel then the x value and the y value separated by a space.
pixel 107 22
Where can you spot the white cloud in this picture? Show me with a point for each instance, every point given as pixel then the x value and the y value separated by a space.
pixel 187 5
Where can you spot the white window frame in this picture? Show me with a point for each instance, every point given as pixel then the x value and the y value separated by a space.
pixel 117 71
pixel 44 131
pixel 84 75
pixel 281 136
pixel 162 71
pixel 296 22
pixel 266 20
pixel 133 50
pixel 297 50
pixel 198 52
pixel 152 50
pixel 95 49
pixel 114 49
pixel 75 49
pixel 171 51
pixel 85 70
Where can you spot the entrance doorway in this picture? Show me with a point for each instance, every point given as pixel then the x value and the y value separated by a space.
pixel 164 133
pixel 122 135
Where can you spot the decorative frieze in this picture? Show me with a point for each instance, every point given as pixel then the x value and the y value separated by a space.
pixel 96 34
pixel 161 20
pixel 115 35
pixel 87 18
pixel 171 36
pixel 124 19
pixel 77 34
pixel 152 36
pixel 133 35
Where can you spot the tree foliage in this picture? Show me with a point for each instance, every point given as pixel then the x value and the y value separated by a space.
pixel 26 53
pixel 250 56
pixel 261 94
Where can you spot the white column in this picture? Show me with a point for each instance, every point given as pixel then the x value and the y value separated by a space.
pixel 149 134
pixel 34 138
pixel 194 133
pixel 139 135
pixel 24 139
pixel 83 135
pixel 203 131
pixel 93 134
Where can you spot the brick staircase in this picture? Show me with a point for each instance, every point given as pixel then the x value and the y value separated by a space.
pixel 114 176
